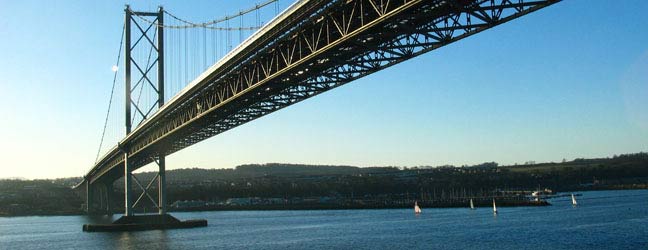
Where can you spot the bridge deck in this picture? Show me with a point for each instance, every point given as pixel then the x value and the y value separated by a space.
pixel 312 47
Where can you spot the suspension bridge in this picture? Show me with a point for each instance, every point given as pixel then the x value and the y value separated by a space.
pixel 187 81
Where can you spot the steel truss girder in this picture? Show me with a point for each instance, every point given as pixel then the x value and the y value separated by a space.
pixel 343 41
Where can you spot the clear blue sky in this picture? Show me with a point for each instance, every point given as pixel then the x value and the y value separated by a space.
pixel 568 81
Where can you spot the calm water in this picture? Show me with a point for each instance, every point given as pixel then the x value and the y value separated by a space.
pixel 603 220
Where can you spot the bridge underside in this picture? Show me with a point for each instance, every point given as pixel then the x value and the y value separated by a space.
pixel 318 46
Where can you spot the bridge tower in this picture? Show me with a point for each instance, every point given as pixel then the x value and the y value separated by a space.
pixel 143 71
pixel 156 45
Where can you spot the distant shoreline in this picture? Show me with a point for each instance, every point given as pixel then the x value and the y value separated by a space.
pixel 279 186
pixel 301 207
pixel 354 207
pixel 296 207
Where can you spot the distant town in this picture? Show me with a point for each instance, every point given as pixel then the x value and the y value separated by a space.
pixel 294 186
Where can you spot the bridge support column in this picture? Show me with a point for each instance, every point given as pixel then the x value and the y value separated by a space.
pixel 89 197
pixel 162 185
pixel 101 192
pixel 107 198
pixel 128 202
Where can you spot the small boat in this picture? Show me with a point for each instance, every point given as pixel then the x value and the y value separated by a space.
pixel 574 203
pixel 472 206
pixel 538 194
pixel 494 207
pixel 417 209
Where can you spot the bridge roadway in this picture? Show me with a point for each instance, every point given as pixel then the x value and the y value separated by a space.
pixel 312 47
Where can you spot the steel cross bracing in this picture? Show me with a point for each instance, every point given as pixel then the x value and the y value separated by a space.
pixel 335 42
pixel 144 68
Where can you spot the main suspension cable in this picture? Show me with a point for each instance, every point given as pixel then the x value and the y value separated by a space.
pixel 219 20
pixel 112 91
pixel 208 24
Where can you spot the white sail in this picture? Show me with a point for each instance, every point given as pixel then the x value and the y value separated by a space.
pixel 574 203
pixel 472 206
pixel 494 207
pixel 417 209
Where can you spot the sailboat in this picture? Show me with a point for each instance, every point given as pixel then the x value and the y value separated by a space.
pixel 417 209
pixel 472 206
pixel 494 207
pixel 574 203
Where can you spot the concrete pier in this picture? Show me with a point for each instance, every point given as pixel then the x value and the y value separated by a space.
pixel 144 222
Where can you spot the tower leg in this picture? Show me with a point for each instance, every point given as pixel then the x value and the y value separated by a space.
pixel 128 202
pixel 162 185
pixel 161 156
pixel 89 197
